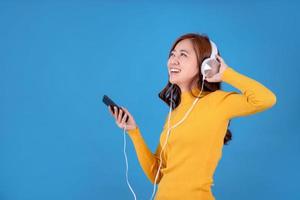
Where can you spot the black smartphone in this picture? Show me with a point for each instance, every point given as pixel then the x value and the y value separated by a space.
pixel 107 101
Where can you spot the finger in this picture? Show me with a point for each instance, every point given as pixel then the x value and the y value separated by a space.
pixel 220 58
pixel 124 118
pixel 120 115
pixel 116 112
pixel 209 79
pixel 127 112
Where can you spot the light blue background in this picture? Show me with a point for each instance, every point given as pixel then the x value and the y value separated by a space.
pixel 58 58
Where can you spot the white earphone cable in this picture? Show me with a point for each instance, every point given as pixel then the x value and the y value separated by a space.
pixel 124 137
pixel 168 133
pixel 160 155
pixel 174 126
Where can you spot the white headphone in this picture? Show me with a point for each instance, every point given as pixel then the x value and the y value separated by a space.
pixel 205 66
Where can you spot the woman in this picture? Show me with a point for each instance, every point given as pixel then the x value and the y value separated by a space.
pixel 194 147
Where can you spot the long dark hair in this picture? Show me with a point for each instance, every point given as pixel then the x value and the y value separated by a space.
pixel 202 47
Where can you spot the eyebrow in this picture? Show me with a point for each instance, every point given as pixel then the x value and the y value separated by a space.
pixel 182 50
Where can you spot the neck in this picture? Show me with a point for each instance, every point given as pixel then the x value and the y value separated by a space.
pixel 187 96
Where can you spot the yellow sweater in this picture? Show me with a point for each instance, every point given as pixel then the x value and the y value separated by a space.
pixel 195 147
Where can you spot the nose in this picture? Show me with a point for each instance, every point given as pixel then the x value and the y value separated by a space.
pixel 174 60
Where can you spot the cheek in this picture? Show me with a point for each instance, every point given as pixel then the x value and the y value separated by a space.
pixel 191 70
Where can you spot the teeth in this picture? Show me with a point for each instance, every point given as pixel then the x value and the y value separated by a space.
pixel 175 70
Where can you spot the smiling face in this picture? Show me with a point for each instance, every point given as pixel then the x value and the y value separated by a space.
pixel 182 64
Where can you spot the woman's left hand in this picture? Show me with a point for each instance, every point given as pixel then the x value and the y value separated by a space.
pixel 218 77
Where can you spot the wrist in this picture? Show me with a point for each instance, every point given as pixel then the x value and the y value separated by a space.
pixel 224 74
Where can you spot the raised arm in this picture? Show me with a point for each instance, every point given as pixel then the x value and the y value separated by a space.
pixel 254 96
pixel 148 161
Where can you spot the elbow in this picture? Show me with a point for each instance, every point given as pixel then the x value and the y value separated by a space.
pixel 270 101
pixel 274 99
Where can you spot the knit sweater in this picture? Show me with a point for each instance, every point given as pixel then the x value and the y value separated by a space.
pixel 194 147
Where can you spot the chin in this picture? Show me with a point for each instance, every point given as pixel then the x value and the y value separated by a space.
pixel 174 82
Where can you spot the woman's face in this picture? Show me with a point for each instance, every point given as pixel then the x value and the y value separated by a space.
pixel 182 64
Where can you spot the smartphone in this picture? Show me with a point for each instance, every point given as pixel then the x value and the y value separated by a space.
pixel 107 101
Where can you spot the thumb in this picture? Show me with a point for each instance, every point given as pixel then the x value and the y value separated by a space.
pixel 210 80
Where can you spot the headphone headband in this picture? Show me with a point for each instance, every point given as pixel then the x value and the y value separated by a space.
pixel 214 49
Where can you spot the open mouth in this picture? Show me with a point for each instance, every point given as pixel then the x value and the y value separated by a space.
pixel 174 71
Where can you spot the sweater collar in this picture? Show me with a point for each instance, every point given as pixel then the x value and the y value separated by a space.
pixel 187 96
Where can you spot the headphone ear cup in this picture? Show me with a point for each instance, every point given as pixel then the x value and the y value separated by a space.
pixel 205 67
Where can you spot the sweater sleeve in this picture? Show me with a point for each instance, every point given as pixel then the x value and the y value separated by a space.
pixel 254 96
pixel 148 161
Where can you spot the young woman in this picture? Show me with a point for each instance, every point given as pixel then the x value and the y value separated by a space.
pixel 185 166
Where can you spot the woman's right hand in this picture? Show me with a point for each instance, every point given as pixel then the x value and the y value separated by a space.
pixel 120 121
